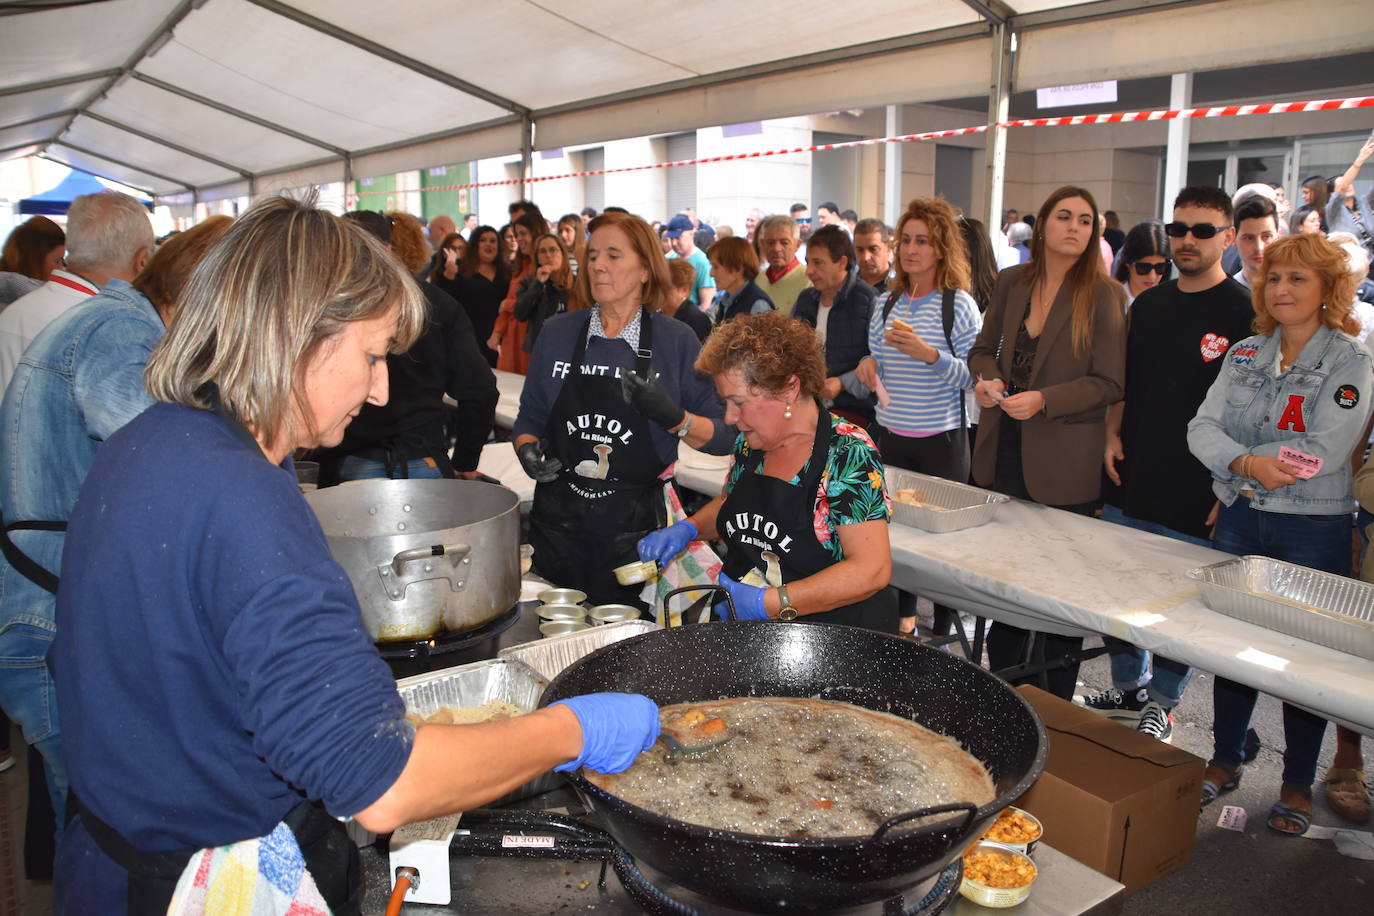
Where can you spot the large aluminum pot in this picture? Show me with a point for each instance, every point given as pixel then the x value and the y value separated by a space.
pixel 424 555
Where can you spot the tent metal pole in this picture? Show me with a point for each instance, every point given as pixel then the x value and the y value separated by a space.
pixel 120 162
pixel 999 104
pixel 526 154
pixel 892 168
pixel 1176 151
pixel 162 141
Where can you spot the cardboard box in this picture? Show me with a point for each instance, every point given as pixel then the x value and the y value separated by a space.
pixel 1118 801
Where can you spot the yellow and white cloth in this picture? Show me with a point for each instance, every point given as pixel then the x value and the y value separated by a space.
pixel 266 876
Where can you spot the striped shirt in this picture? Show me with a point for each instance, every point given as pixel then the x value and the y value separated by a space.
pixel 924 398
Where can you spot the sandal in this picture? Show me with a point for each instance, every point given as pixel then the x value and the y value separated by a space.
pixel 1283 811
pixel 1211 790
pixel 1346 793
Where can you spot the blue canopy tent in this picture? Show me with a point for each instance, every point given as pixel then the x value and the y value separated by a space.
pixel 59 197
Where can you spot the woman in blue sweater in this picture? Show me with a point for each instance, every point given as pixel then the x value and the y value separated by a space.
pixel 216 683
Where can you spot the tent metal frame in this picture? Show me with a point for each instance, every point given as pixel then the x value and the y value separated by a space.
pixel 995 20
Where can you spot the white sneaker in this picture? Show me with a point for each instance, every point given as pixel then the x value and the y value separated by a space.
pixel 1157 722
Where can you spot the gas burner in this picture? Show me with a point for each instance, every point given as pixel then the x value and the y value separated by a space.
pixel 446 649
pixel 660 895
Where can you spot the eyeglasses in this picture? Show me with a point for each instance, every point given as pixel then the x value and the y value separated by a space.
pixel 1200 231
pixel 1144 268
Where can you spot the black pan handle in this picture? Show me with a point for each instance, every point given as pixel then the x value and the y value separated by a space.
pixel 729 602
pixel 969 809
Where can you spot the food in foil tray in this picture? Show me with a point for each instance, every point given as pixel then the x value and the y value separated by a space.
pixel 468 715
pixel 914 497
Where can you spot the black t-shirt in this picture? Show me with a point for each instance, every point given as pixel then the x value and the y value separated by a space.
pixel 1174 349
pixel 692 316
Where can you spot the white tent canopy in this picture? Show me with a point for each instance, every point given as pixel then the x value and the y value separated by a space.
pixel 216 98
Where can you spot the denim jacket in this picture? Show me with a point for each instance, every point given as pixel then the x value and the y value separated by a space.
pixel 79 381
pixel 1318 407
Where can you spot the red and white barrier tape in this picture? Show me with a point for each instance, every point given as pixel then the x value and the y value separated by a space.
pixel 1225 111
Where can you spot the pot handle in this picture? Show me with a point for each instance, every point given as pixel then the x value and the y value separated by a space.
pixel 969 809
pixel 399 574
pixel 729 602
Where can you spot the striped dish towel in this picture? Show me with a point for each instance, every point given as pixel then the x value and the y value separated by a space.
pixel 259 877
pixel 697 565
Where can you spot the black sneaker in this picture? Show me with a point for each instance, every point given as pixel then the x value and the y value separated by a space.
pixel 1157 722
pixel 1116 704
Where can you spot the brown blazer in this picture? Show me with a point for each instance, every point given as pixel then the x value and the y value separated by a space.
pixel 1061 449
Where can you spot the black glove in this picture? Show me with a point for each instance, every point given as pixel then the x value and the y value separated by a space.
pixel 536 464
pixel 651 398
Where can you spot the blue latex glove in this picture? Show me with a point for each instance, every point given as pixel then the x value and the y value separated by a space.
pixel 748 600
pixel 616 728
pixel 665 543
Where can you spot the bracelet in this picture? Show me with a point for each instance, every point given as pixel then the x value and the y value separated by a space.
pixel 1245 461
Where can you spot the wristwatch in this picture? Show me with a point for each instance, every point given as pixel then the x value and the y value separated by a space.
pixel 788 612
pixel 685 427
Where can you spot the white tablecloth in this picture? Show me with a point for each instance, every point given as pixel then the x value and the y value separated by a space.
pixel 1054 571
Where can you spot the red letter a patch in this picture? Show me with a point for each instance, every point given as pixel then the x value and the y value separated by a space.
pixel 1292 415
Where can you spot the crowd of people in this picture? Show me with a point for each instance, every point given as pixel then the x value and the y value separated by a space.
pixel 1204 378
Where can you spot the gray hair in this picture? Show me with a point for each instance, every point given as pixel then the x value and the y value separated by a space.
pixel 105 230
pixel 1018 234
pixel 774 222
pixel 1357 258
pixel 282 282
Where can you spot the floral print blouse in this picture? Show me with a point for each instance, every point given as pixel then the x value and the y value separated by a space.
pixel 852 487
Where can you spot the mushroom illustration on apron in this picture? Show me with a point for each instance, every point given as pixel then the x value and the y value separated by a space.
pixel 597 469
pixel 771 577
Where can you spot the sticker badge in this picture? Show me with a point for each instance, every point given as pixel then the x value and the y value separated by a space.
pixel 1347 396
pixel 1214 345
pixel 1242 356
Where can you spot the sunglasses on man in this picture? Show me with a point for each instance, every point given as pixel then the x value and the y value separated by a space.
pixel 1200 231
pixel 1145 268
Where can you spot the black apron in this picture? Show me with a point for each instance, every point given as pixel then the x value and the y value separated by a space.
pixel 608 495
pixel 330 856
pixel 765 513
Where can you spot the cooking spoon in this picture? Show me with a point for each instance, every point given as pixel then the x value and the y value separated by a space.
pixel 692 735
pixel 679 750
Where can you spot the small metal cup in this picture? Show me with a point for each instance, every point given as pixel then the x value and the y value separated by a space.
pixel 562 596
pixel 613 613
pixel 637 572
pixel 562 611
pixel 555 627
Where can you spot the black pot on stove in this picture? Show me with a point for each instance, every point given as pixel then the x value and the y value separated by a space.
pixel 886 673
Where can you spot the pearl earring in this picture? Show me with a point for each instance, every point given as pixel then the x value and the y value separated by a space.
pixel 787 412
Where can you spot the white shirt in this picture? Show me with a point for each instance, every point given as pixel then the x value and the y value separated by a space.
pixel 822 322
pixel 1239 277
pixel 28 315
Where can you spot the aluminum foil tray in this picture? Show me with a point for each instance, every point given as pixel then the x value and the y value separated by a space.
pixel 1321 608
pixel 551 655
pixel 473 685
pixel 961 506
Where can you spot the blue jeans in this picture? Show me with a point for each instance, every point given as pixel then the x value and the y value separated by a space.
pixel 1131 666
pixel 1317 541
pixel 354 468
pixel 29 695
